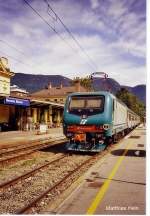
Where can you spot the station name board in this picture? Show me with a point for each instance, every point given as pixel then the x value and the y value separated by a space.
pixel 16 101
pixel 4 85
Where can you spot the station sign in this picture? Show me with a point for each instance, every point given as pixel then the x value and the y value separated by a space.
pixel 4 85
pixel 16 101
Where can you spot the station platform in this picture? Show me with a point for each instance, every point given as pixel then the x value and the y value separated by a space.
pixel 116 185
pixel 10 138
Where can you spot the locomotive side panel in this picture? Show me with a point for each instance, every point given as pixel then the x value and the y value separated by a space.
pixel 133 119
pixel 119 117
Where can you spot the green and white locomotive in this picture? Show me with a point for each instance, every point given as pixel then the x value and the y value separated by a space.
pixel 93 120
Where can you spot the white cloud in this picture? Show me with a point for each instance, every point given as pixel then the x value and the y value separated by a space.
pixel 20 31
pixel 50 55
pixel 59 59
pixel 94 4
pixel 116 9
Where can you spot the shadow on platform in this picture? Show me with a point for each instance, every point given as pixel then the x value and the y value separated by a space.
pixel 130 153
pixel 122 181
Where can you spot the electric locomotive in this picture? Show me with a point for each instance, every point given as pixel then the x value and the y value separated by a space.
pixel 92 120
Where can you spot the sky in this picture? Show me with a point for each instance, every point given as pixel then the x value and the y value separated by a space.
pixel 110 37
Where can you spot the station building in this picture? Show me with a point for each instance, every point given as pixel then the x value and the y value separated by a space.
pixel 54 95
pixel 9 106
pixel 20 110
pixel 58 94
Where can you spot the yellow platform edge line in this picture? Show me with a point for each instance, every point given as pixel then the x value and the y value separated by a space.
pixel 106 184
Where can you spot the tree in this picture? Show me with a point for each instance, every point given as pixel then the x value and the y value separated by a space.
pixel 131 101
pixel 86 82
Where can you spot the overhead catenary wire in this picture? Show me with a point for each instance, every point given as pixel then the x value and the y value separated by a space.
pixel 71 35
pixel 11 46
pixel 19 51
pixel 59 35
pixel 33 65
pixel 47 23
pixel 17 60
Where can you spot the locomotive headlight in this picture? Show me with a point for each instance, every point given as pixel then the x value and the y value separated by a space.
pixel 106 126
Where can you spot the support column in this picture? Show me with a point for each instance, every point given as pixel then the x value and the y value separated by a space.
pixel 58 118
pixel 45 115
pixel 28 111
pixel 39 111
pixel 50 115
pixel 35 115
pixel 61 115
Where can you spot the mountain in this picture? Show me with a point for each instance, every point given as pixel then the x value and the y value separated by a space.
pixel 139 91
pixel 113 86
pixel 33 83
pixel 106 84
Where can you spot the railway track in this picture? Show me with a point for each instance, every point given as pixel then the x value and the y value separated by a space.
pixel 69 176
pixel 24 151
pixel 56 177
pixel 57 170
pixel 28 174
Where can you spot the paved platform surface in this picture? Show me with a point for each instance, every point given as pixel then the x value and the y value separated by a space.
pixel 116 184
pixel 11 138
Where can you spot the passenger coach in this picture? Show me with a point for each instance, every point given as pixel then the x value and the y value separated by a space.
pixel 93 120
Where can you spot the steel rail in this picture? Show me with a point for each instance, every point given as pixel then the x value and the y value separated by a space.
pixel 37 147
pixel 39 142
pixel 24 143
pixel 36 200
pixel 71 173
pixel 6 160
pixel 27 174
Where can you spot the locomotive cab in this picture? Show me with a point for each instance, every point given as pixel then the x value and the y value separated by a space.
pixel 87 121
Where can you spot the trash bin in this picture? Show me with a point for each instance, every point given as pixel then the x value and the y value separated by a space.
pixel 42 129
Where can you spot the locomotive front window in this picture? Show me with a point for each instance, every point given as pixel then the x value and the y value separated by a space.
pixel 86 104
pixel 77 103
pixel 94 103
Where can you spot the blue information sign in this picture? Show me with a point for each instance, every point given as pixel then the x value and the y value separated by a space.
pixel 16 101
